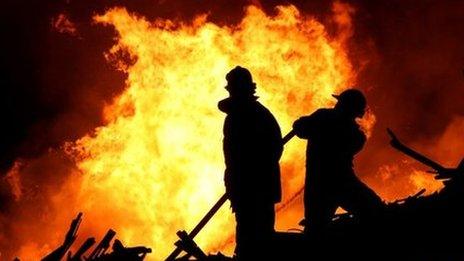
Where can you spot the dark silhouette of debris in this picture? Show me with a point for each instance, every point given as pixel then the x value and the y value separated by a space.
pixel 80 252
pixel 121 252
pixel 100 253
pixel 197 228
pixel 103 246
pixel 187 244
pixel 70 237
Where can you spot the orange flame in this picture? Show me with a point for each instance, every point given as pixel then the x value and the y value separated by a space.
pixel 401 180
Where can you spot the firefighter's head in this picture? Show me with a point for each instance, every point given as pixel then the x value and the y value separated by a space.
pixel 351 102
pixel 240 82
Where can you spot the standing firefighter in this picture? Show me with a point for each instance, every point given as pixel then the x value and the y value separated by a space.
pixel 334 139
pixel 252 149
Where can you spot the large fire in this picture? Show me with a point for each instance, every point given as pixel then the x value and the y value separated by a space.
pixel 158 162
pixel 157 165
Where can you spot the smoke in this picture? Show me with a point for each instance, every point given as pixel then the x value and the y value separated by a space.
pixel 408 55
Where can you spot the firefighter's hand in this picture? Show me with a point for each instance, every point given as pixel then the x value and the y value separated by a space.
pixel 297 124
pixel 299 127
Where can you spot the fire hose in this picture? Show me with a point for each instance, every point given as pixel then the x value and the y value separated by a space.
pixel 213 211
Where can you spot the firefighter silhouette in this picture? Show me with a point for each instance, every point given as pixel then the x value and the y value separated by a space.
pixel 334 138
pixel 252 148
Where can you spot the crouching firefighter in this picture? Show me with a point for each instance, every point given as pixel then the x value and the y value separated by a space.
pixel 334 138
